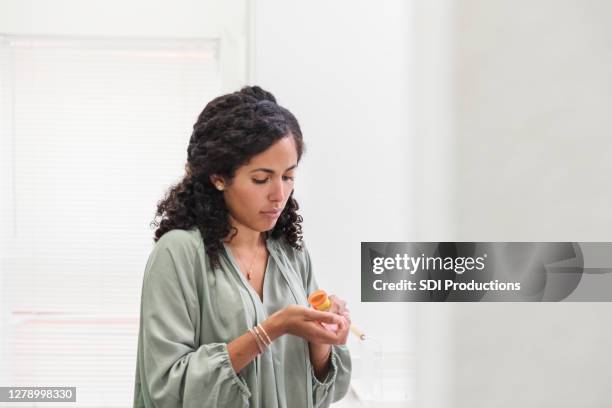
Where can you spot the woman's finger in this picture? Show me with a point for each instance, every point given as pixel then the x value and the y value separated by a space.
pixel 338 305
pixel 325 317
pixel 347 321
pixel 322 335
pixel 347 317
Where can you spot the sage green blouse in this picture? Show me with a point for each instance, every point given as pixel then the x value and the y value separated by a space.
pixel 189 312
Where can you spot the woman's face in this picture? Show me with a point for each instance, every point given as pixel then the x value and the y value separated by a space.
pixel 257 194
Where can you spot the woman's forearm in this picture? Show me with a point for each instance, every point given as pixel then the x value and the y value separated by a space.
pixel 244 349
pixel 319 358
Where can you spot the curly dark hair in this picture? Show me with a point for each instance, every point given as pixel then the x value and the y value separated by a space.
pixel 230 130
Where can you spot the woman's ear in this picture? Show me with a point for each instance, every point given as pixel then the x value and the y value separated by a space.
pixel 218 182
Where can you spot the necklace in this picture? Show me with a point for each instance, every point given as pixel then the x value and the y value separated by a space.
pixel 250 270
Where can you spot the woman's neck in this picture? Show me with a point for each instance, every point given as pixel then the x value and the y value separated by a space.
pixel 244 238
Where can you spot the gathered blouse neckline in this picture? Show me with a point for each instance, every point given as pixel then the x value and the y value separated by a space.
pixel 243 279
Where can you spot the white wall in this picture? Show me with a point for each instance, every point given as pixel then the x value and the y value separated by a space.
pixel 344 69
pixel 532 108
pixel 432 27
pixel 534 92
pixel 507 144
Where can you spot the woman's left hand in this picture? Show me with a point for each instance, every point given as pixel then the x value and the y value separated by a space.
pixel 319 353
pixel 339 307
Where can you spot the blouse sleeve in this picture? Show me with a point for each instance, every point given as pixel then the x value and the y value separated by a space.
pixel 336 384
pixel 175 371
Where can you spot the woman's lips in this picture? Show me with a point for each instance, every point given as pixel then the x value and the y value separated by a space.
pixel 272 214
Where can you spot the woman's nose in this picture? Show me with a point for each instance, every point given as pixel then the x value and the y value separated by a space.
pixel 278 191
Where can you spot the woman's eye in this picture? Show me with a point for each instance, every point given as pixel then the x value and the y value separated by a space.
pixel 263 181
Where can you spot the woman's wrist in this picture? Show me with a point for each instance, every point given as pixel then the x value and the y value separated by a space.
pixel 275 326
pixel 319 353
pixel 320 359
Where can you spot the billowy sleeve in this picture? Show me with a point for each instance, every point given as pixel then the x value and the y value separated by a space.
pixel 174 370
pixel 336 384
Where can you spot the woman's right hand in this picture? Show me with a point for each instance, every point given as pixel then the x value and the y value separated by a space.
pixel 305 322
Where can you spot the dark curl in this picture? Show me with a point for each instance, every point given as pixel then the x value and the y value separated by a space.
pixel 228 133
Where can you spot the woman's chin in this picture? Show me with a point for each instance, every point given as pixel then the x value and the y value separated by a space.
pixel 269 226
pixel 263 226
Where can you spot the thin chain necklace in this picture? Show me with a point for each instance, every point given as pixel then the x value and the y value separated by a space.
pixel 250 270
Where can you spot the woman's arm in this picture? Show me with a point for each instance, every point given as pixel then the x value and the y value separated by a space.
pixel 244 349
pixel 319 358
pixel 297 320
pixel 320 354
pixel 336 369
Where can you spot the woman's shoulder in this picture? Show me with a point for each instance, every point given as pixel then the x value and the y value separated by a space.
pixel 180 241
pixel 174 254
pixel 181 236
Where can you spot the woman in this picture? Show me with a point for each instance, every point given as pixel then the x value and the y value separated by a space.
pixel 224 313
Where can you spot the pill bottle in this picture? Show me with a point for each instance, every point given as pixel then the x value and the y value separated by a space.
pixel 319 300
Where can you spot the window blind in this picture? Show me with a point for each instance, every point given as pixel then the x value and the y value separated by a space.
pixel 94 130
